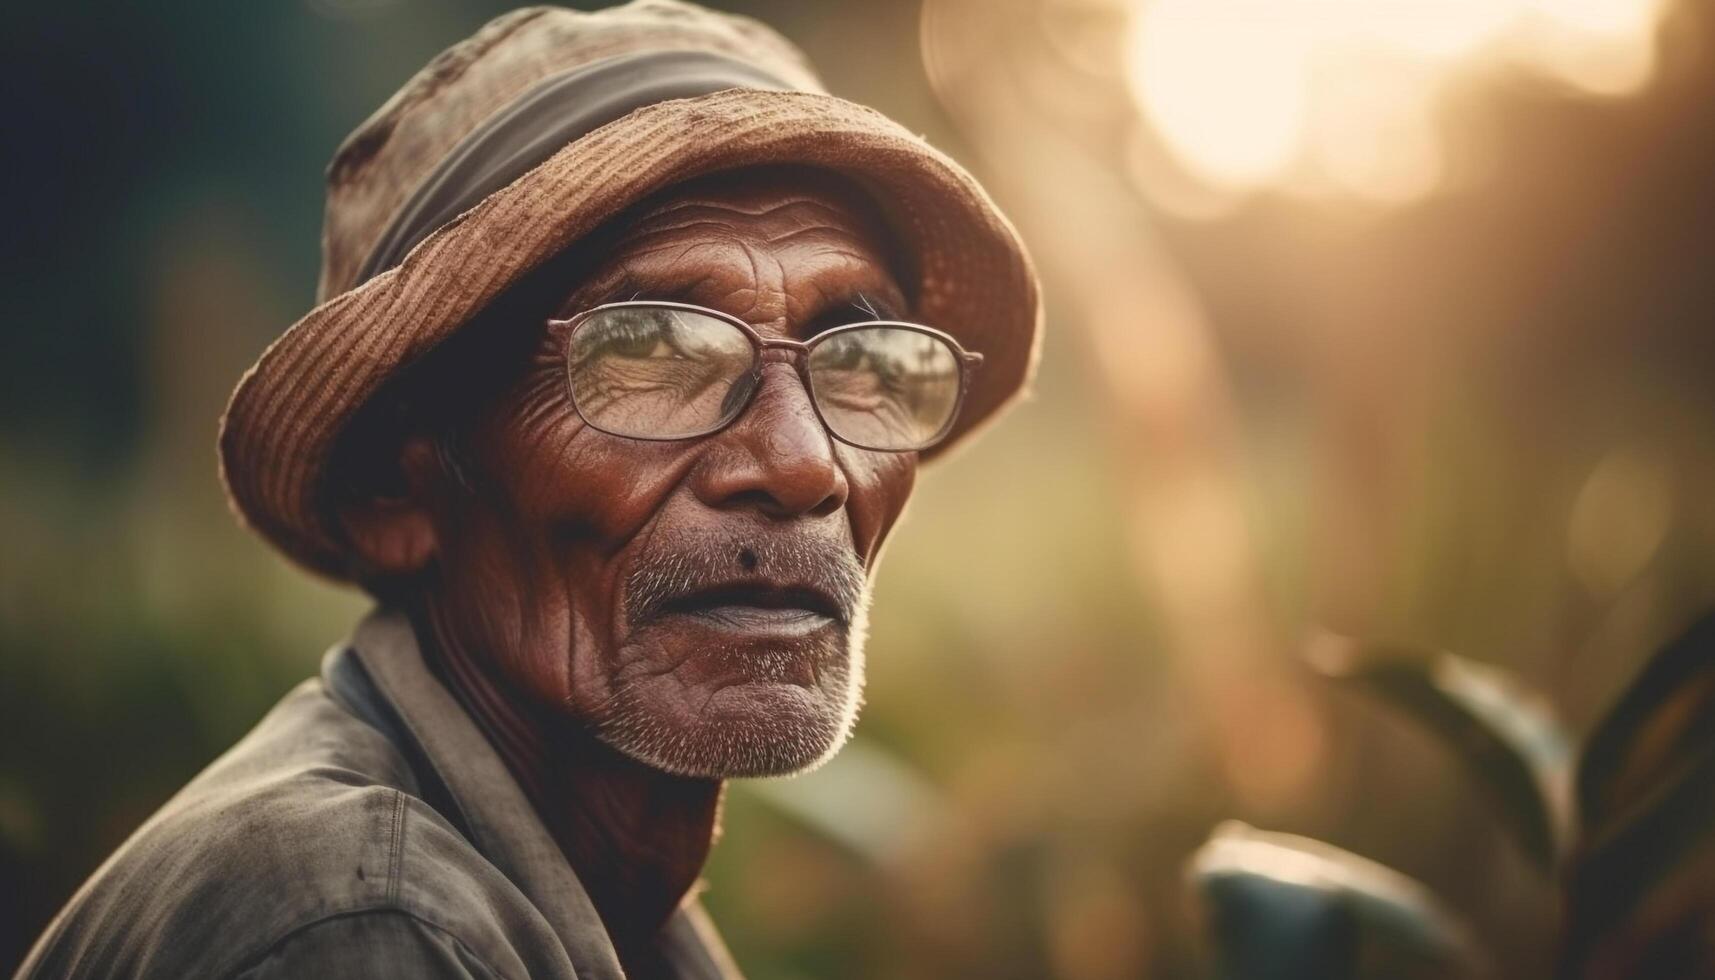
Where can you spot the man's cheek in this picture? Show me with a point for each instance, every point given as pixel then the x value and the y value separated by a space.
pixel 881 485
pixel 569 599
pixel 583 662
pixel 602 492
pixel 549 456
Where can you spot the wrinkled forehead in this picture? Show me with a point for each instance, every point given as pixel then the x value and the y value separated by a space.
pixel 824 222
pixel 756 190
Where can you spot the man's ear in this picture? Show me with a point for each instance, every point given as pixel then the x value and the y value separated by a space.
pixel 391 527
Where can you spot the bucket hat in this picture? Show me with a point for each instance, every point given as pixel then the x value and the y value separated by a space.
pixel 515 143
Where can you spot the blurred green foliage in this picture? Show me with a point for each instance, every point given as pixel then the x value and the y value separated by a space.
pixel 1510 741
pixel 1641 881
pixel 1281 907
pixel 1635 880
pixel 1481 423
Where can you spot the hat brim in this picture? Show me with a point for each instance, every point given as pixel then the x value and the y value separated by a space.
pixel 975 281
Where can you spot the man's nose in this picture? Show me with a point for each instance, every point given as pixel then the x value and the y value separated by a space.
pixel 776 457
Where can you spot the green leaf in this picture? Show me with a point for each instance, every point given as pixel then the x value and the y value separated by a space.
pixel 1641 885
pixel 1281 907
pixel 1507 737
pixel 1662 722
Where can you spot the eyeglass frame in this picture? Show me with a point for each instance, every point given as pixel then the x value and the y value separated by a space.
pixel 799 356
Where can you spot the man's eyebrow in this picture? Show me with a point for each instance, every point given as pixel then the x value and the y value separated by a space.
pixel 857 307
pixel 874 307
pixel 863 303
pixel 628 289
pixel 854 309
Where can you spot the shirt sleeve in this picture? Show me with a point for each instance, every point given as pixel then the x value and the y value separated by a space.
pixel 377 945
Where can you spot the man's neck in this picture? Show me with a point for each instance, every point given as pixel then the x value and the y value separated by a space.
pixel 636 837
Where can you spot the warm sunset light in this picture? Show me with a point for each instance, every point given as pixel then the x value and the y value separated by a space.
pixel 1339 95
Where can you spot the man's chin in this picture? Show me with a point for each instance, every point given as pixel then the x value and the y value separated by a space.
pixel 755 729
pixel 768 717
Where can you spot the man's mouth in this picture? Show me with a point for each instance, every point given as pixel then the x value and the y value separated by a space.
pixel 758 607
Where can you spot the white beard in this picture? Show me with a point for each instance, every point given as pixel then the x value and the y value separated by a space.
pixel 766 746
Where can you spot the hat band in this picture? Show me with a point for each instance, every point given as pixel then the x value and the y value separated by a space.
pixel 563 108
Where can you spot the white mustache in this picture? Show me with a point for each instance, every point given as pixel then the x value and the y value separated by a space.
pixel 710 561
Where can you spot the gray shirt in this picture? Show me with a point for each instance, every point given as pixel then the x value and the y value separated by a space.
pixel 364 828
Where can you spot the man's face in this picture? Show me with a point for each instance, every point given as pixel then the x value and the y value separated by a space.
pixel 699 604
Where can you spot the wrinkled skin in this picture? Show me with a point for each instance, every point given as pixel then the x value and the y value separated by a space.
pixel 524 565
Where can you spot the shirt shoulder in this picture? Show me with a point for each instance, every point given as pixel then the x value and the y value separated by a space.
pixel 374 944
pixel 312 818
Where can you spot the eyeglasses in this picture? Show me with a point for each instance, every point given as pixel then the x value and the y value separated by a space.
pixel 665 371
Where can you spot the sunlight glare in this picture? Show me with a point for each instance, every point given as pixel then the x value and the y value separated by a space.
pixel 1342 94
pixel 1201 73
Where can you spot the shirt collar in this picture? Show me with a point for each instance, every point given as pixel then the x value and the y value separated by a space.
pixel 494 812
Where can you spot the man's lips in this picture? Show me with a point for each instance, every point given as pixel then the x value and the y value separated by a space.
pixel 758 606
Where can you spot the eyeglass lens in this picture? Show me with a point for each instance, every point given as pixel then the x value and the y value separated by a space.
pixel 657 372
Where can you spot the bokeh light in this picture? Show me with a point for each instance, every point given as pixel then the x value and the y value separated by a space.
pixel 1429 364
pixel 1341 95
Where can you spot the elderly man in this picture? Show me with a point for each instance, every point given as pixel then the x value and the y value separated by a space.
pixel 630 343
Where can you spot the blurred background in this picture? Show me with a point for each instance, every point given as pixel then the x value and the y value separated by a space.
pixel 1389 317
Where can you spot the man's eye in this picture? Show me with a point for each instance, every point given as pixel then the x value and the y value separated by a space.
pixel 844 355
pixel 640 344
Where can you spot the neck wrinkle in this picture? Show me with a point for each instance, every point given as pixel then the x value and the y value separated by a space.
pixel 635 836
